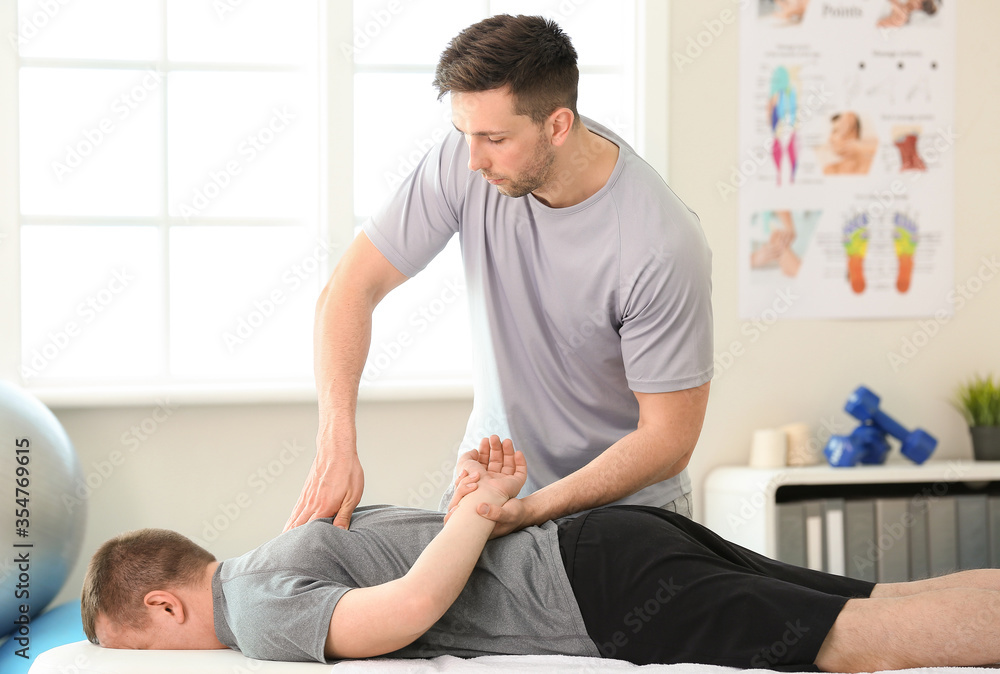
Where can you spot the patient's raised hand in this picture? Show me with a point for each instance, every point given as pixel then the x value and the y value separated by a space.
pixel 494 466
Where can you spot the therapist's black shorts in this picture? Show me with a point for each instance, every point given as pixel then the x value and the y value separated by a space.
pixel 655 587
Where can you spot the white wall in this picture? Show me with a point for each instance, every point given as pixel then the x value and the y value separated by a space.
pixel 198 462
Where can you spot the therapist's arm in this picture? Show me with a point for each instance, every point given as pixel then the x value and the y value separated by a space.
pixel 376 620
pixel 342 335
pixel 659 448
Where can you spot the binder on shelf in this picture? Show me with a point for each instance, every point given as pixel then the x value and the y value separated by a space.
pixel 973 542
pixel 833 525
pixel 994 526
pixel 942 535
pixel 791 533
pixel 920 562
pixel 859 539
pixel 814 535
pixel 892 540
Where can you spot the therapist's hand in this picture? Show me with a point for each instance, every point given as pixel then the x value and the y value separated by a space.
pixel 466 477
pixel 513 516
pixel 334 486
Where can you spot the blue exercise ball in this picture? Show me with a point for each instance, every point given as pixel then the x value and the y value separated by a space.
pixel 56 627
pixel 44 524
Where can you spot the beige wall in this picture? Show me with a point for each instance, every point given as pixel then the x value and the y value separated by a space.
pixel 225 472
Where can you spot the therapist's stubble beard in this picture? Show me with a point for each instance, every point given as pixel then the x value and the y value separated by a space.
pixel 536 174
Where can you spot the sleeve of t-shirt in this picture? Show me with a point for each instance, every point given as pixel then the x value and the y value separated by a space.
pixel 417 222
pixel 667 327
pixel 283 616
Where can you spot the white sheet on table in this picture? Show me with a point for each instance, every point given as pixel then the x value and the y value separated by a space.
pixel 85 658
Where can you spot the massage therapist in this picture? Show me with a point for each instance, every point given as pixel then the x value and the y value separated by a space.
pixel 589 286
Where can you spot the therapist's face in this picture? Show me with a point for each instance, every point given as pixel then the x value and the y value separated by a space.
pixel 508 150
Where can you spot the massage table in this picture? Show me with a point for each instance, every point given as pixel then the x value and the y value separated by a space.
pixel 83 657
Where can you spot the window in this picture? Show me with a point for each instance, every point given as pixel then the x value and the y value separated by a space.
pixel 169 191
pixel 188 171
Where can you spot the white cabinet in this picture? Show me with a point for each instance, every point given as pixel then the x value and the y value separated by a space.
pixel 740 502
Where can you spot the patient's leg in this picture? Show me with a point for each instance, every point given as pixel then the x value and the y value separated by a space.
pixel 949 627
pixel 984 579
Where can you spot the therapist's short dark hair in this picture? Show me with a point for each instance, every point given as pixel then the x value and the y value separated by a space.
pixel 529 55
pixel 130 565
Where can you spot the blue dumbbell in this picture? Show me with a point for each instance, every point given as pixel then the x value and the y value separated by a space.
pixel 874 446
pixel 866 444
pixel 841 452
pixel 918 445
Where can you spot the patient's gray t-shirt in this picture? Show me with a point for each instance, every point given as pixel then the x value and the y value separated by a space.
pixel 573 309
pixel 275 602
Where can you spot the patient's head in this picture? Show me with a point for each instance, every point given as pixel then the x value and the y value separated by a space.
pixel 149 588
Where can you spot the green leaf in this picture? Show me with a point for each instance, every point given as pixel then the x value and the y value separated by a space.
pixel 979 401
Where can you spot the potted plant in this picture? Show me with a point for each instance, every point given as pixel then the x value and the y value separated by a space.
pixel 979 402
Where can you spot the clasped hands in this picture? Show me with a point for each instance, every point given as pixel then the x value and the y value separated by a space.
pixel 495 466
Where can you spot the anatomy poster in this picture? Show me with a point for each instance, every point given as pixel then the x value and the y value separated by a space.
pixel 846 163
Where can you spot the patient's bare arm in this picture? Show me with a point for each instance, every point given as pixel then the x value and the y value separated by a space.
pixel 377 620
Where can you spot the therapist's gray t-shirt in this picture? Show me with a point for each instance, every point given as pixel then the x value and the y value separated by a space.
pixel 275 602
pixel 572 308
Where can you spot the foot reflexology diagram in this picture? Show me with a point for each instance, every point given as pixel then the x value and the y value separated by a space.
pixel 856 248
pixel 845 172
pixel 892 265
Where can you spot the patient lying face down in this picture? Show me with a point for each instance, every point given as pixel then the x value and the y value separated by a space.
pixel 628 582
pixel 150 589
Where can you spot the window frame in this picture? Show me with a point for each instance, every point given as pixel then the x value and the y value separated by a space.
pixel 336 212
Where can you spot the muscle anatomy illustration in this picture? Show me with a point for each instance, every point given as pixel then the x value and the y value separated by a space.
pixel 782 107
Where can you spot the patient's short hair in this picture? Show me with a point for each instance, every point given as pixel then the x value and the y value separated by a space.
pixel 529 54
pixel 129 566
